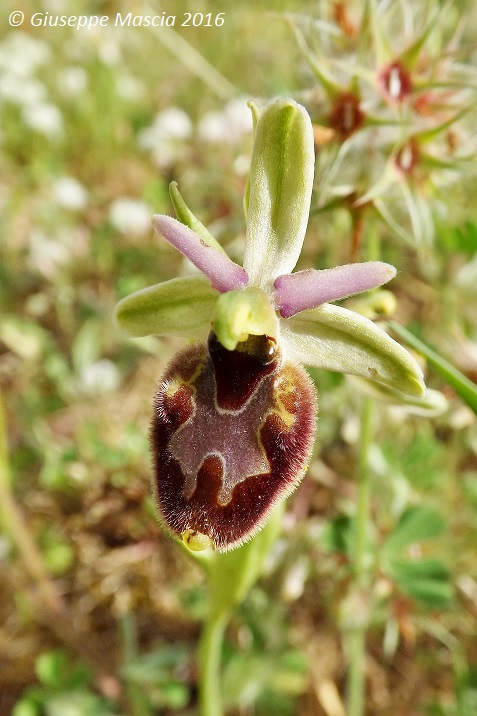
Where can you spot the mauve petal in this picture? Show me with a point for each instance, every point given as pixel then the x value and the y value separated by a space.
pixel 308 289
pixel 223 273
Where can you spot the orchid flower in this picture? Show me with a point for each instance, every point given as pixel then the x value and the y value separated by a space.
pixel 234 418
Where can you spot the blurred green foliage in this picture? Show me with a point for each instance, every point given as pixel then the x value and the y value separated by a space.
pixel 84 162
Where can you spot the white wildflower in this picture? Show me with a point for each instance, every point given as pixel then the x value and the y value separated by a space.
pixel 44 118
pixel 69 193
pixel 72 81
pixel 21 54
pixel 100 377
pixel 166 136
pixel 226 126
pixel 130 216
pixel 48 253
pixel 21 91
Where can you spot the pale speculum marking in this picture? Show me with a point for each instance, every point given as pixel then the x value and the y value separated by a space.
pixel 232 436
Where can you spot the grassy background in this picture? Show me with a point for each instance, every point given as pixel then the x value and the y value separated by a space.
pixel 109 622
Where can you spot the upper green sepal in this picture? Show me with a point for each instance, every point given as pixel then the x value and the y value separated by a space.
pixel 335 338
pixel 279 192
pixel 179 307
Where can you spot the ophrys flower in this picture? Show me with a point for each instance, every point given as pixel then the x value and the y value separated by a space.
pixel 234 418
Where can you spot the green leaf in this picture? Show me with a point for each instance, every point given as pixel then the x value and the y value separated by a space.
pixel 179 307
pixel 417 523
pixel 50 668
pixel 247 675
pixel 337 535
pixel 281 180
pixel 426 580
pixel 23 337
pixel 335 338
pixel 453 239
pixel 462 385
pixel 156 667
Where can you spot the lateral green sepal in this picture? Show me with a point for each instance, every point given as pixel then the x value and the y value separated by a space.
pixel 180 307
pixel 335 338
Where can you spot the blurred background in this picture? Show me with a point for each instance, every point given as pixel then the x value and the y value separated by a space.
pixel 99 611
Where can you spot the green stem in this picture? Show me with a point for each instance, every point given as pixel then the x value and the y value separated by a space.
pixel 137 698
pixel 357 635
pixel 356 672
pixel 363 507
pixel 210 652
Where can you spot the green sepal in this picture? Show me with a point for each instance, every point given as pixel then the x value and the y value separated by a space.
pixel 185 216
pixel 241 313
pixel 335 338
pixel 179 307
pixel 281 180
pixel 256 112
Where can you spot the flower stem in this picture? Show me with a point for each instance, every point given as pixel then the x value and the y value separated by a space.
pixel 357 635
pixel 210 651
pixel 137 698
pixel 362 512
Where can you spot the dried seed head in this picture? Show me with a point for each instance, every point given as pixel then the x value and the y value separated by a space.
pixel 408 157
pixel 231 434
pixel 395 82
pixel 346 116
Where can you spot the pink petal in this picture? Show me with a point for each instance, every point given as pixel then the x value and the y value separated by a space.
pixel 223 273
pixel 308 289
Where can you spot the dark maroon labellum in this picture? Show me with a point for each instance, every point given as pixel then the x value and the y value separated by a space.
pixel 231 435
